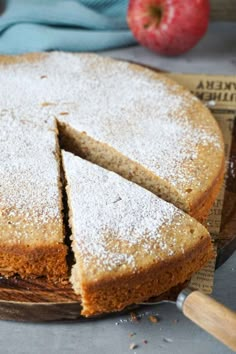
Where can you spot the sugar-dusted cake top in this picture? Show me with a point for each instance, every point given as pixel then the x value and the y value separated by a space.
pixel 30 197
pixel 117 225
pixel 143 115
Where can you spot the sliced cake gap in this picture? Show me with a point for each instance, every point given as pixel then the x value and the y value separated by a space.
pixel 70 259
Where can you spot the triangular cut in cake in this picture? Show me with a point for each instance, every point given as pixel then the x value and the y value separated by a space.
pixel 129 245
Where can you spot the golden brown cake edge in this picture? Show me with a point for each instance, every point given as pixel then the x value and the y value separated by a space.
pixel 207 200
pixel 34 262
pixel 112 295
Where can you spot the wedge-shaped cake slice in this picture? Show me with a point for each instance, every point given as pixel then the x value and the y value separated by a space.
pixel 128 244
pixel 31 223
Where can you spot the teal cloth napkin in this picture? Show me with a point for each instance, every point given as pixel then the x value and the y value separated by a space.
pixel 70 25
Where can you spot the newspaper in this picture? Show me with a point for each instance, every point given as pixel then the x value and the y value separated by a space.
pixel 223 10
pixel 218 93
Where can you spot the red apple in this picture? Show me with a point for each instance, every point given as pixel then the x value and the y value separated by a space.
pixel 169 27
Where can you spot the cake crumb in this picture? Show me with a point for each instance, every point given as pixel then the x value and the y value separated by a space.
pixel 133 317
pixel 145 341
pixel 175 321
pixel 133 346
pixel 132 334
pixel 46 104
pixel 153 319
pixel 64 282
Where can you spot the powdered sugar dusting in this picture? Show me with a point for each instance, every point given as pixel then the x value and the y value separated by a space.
pixel 140 116
pixel 143 118
pixel 116 222
pixel 29 175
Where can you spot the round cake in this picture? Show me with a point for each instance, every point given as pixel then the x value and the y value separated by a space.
pixel 120 116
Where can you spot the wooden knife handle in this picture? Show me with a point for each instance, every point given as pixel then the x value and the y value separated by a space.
pixel 210 315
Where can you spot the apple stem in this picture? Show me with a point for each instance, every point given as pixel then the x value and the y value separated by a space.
pixel 156 13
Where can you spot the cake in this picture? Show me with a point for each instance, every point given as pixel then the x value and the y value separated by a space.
pixel 31 223
pixel 121 117
pixel 129 245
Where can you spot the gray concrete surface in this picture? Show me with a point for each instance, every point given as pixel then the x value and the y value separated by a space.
pixel 174 333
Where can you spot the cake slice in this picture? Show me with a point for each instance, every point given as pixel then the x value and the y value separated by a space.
pixel 31 222
pixel 129 245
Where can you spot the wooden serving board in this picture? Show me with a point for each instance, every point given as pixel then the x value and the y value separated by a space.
pixel 39 300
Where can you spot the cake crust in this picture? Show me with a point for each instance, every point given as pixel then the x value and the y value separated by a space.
pixel 34 261
pixel 141 286
pixel 202 206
